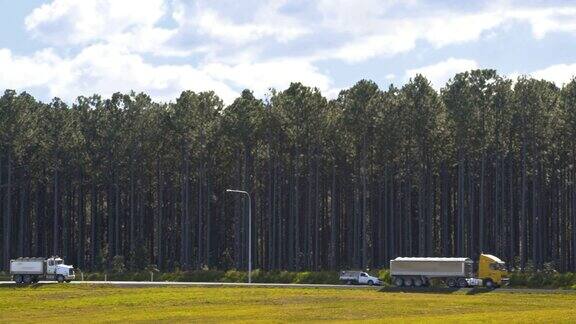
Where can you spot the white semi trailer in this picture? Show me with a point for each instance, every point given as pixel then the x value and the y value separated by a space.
pixel 30 270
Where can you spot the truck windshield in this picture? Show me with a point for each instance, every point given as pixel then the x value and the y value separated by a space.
pixel 59 261
pixel 498 266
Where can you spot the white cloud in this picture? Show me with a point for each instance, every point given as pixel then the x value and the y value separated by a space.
pixel 211 23
pixel 372 46
pixel 227 45
pixel 439 73
pixel 560 74
pixel 394 36
pixel 277 74
pixel 105 69
pixel 265 22
pixel 546 20
pixel 25 72
pixel 452 29
pixel 359 16
pixel 376 33
pixel 77 22
pixel 113 35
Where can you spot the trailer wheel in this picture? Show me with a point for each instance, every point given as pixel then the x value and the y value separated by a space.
pixel 451 282
pixel 18 279
pixel 60 278
pixel 418 282
pixel 349 282
pixel 408 282
pixel 398 282
pixel 27 279
pixel 462 283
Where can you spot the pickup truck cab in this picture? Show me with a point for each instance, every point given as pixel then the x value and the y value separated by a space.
pixel 359 278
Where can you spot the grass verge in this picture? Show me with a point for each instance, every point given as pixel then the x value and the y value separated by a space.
pixel 95 303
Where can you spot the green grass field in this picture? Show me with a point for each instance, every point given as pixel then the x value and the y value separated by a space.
pixel 83 303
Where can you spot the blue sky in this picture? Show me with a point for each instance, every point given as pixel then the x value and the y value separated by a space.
pixel 67 48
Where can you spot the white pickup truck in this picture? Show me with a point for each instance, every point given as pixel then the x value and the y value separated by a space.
pixel 30 270
pixel 359 278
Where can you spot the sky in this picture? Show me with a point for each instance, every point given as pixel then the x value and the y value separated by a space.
pixel 68 48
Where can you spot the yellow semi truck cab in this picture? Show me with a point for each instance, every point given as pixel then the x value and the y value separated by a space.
pixel 492 271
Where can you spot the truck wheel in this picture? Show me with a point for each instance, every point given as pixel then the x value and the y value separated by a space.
pixel 370 283
pixel 18 279
pixel 418 282
pixel 451 282
pixel 462 283
pixel 488 283
pixel 408 282
pixel 398 282
pixel 27 279
pixel 60 278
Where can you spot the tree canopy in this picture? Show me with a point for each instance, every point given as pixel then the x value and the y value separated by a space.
pixel 486 164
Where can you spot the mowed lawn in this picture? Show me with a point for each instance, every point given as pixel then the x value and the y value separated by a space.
pixel 86 303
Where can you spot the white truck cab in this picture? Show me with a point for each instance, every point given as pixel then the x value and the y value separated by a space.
pixel 359 278
pixel 55 266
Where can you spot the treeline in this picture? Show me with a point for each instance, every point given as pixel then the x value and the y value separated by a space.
pixel 485 164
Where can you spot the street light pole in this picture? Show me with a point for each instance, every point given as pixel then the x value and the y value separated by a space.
pixel 249 231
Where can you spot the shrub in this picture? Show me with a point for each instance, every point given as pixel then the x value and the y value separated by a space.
pixel 536 280
pixel 234 276
pixel 322 277
pixel 542 279
pixel 519 279
pixel 118 264
pixel 384 276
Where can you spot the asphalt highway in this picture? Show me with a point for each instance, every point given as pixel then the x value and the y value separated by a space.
pixel 468 291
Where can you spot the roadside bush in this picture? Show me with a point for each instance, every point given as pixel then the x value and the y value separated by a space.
pixel 5 275
pixel 384 276
pixel 565 280
pixel 273 276
pixel 192 276
pixel 235 276
pixel 322 277
pixel 542 279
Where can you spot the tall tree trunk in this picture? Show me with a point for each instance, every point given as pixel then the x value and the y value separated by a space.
pixel 56 225
pixel 94 226
pixel 160 220
pixel 7 229
pixel 81 222
pixel 460 223
pixel 22 223
pixel 333 221
pixel 522 233
pixel 482 204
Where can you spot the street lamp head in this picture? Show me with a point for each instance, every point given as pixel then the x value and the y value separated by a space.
pixel 237 191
